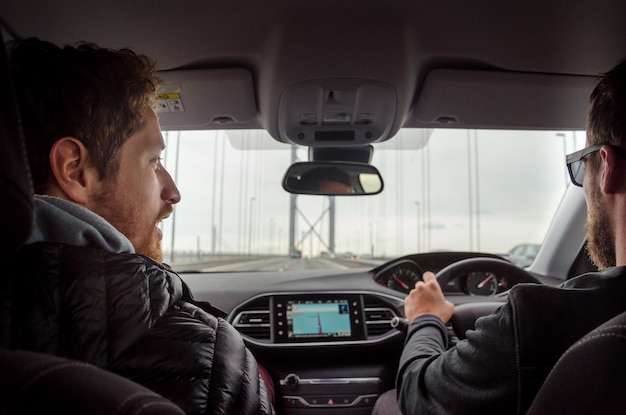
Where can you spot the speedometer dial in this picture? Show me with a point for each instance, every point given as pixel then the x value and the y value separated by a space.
pixel 482 283
pixel 403 279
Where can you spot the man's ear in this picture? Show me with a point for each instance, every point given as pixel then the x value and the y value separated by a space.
pixel 75 177
pixel 614 169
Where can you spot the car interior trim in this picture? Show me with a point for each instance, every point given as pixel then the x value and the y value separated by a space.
pixel 331 402
pixel 256 315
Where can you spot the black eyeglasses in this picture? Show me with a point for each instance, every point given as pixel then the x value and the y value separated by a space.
pixel 576 166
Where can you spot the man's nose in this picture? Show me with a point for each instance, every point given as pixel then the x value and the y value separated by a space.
pixel 170 192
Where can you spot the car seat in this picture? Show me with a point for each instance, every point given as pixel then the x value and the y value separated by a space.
pixel 17 204
pixel 34 383
pixel 590 377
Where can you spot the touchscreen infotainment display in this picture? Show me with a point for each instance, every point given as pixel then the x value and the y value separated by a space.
pixel 306 319
pixel 317 317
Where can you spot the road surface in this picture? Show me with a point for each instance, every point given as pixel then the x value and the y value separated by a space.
pixel 278 263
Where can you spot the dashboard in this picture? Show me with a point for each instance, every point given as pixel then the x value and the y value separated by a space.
pixel 402 274
pixel 402 277
pixel 283 320
pixel 326 336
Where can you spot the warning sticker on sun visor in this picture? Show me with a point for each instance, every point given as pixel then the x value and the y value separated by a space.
pixel 170 103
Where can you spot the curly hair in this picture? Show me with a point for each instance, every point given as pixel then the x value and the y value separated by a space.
pixel 94 94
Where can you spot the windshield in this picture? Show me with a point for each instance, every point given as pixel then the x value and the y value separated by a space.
pixel 444 190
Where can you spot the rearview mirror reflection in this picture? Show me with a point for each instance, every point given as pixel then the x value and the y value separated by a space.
pixel 333 178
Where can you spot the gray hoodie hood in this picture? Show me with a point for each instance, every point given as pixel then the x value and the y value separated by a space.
pixel 58 220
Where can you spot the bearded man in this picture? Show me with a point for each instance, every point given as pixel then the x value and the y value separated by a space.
pixel 88 284
pixel 503 362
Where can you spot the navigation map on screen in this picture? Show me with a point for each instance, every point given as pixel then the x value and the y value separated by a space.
pixel 308 319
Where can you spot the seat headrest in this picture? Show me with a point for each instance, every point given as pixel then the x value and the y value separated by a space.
pixel 16 214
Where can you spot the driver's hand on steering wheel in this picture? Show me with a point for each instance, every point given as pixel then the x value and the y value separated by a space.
pixel 427 298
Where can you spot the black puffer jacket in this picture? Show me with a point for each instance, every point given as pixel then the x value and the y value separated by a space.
pixel 129 314
pixel 504 362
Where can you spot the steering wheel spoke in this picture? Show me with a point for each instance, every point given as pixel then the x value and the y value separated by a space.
pixel 465 315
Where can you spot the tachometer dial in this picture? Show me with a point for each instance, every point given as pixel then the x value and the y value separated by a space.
pixel 403 279
pixel 482 283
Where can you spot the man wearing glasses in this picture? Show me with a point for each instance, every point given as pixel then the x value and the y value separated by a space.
pixel 503 362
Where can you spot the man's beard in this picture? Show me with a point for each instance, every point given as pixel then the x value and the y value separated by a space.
pixel 601 236
pixel 127 218
pixel 152 248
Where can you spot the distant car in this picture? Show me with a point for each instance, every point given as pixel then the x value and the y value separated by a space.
pixel 295 255
pixel 523 255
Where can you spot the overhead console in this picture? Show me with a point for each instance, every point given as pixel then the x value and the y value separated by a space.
pixel 336 112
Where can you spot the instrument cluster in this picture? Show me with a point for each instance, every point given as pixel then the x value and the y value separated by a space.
pixel 403 275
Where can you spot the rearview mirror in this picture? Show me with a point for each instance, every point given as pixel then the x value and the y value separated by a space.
pixel 333 178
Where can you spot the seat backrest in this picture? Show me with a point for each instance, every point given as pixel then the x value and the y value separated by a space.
pixel 34 383
pixel 590 377
pixel 16 218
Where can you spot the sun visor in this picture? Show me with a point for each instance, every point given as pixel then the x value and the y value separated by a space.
pixel 490 99
pixel 194 99
pixel 336 112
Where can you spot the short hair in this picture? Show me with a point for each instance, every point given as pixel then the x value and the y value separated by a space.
pixel 606 122
pixel 94 94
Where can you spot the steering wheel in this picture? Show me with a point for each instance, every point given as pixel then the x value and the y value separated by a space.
pixel 465 315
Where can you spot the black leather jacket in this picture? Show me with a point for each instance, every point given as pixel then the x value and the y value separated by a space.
pixel 129 314
pixel 503 363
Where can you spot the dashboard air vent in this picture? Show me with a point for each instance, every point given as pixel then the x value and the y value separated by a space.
pixel 253 320
pixel 378 315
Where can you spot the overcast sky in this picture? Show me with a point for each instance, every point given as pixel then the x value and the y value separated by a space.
pixel 477 190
